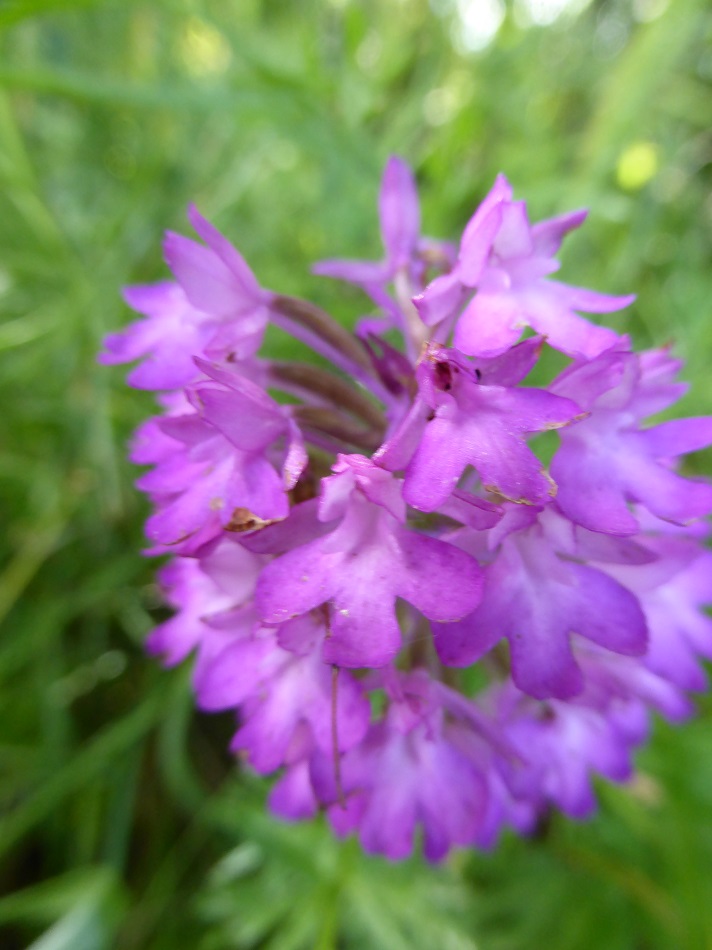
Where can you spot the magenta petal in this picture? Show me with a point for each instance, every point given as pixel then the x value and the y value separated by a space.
pixel 247 424
pixel 453 798
pixel 512 366
pixel 294 583
pixel 301 635
pixel 237 341
pixel 292 797
pixel 364 629
pixel 543 666
pixel 203 277
pixel 589 491
pixel 481 229
pixel 609 381
pixel 234 674
pixel 680 632
pixel 470 510
pixel 229 255
pixel 150 445
pixel 549 310
pixel 464 642
pixel 436 468
pixel 590 301
pixel 399 212
pixel 207 281
pixel 187 512
pixel 428 569
pixel 174 474
pixel 189 429
pixel 666 494
pixel 269 728
pixel 128 344
pixel 477 240
pixel 548 235
pixel 514 233
pixel 182 583
pixel 388 826
pixel 489 325
pixel 355 272
pixel 440 299
pixel 678 436
pixel 621 626
pixel 339 691
pixel 172 334
pixel 232 569
pixel 254 484
pixel 395 454
pixel 301 526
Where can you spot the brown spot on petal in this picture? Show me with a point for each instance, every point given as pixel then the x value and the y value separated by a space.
pixel 553 487
pixel 180 540
pixel 500 496
pixel 567 422
pixel 443 376
pixel 245 520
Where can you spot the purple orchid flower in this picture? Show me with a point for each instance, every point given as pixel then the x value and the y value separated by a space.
pixel 408 259
pixel 537 600
pixel 508 263
pixel 461 418
pixel 607 460
pixel 407 772
pixel 347 542
pixel 368 560
pixel 215 309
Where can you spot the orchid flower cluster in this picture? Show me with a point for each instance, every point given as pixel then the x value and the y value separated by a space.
pixel 423 629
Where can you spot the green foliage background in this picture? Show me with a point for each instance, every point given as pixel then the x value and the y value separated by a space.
pixel 124 822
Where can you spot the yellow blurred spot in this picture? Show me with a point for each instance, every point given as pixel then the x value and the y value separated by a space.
pixel 441 105
pixel 203 49
pixel 369 52
pixel 637 166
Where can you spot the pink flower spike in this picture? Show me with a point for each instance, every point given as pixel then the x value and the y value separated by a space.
pixel 351 545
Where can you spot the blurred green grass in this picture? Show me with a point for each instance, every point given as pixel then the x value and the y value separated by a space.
pixel 124 823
